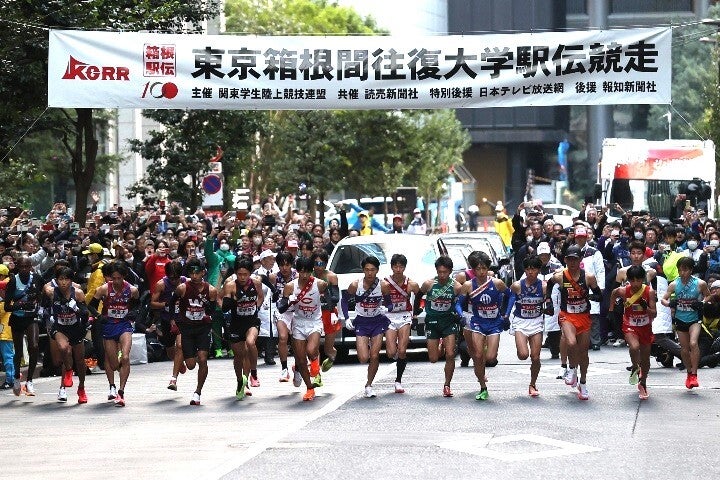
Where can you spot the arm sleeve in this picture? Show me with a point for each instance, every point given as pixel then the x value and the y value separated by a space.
pixel 228 304
pixel 416 305
pixel 511 303
pixel 93 306
pixel 460 302
pixel 347 302
pixel 333 296
pixel 283 304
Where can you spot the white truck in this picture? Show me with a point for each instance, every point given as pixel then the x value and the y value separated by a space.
pixel 644 175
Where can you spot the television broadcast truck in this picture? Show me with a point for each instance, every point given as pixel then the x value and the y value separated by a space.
pixel 657 176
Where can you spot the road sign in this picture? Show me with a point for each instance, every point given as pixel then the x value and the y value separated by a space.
pixel 212 184
pixel 241 198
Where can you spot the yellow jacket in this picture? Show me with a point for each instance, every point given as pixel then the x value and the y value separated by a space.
pixel 96 280
pixel 504 227
pixel 6 333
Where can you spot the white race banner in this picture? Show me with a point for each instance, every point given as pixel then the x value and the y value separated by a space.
pixel 152 70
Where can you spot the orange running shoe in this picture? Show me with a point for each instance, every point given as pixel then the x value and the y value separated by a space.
pixel 315 367
pixel 67 378
pixel 309 395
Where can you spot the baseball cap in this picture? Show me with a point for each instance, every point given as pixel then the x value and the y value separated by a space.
pixel 364 212
pixel 581 231
pixel 573 251
pixel 292 244
pixel 256 258
pixel 417 210
pixel 715 284
pixel 397 215
pixel 543 247
pixel 499 206
pixel 93 248
pixel 4 270
pixel 266 253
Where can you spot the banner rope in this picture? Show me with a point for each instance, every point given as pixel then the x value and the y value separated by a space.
pixel 24 135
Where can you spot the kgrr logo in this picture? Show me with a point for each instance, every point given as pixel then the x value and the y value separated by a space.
pixel 77 70
pixel 160 90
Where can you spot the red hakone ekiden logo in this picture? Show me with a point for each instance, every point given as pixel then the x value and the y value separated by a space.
pixel 77 70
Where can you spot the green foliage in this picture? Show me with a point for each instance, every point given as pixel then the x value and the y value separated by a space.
pixel 18 179
pixel 182 149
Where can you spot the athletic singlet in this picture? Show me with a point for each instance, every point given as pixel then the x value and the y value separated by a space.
pixel 571 300
pixel 635 315
pixel 116 304
pixel 686 295
pixel 25 296
pixel 165 297
pixel 61 310
pixel 485 303
pixel 439 300
pixel 246 296
pixel 400 297
pixel 280 281
pixel 368 305
pixel 192 305
pixel 307 308
pixel 529 303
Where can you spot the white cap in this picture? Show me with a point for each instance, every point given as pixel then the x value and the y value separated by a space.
pixel 543 247
pixel 417 210
pixel 715 284
pixel 499 206
pixel 265 254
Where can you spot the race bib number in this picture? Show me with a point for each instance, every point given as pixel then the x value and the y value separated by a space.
pixel 117 312
pixel 684 305
pixel 246 309
pixel 66 319
pixel 639 321
pixel 579 307
pixel 195 315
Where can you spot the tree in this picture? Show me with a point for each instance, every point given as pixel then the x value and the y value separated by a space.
pixel 24 48
pixel 183 148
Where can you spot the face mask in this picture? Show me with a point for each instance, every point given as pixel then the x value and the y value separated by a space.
pixel 257 241
pixel 692 244
pixel 224 247
pixel 715 243
pixel 529 238
pixel 128 258
pixel 638 235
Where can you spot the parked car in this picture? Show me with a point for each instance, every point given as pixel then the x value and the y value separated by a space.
pixel 490 243
pixel 421 252
pixel 562 214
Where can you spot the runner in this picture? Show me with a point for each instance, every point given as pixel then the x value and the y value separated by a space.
pixel 526 304
pixel 242 296
pixel 441 323
pixel 484 295
pixel 285 275
pixel 639 302
pixel 167 312
pixel 301 298
pixel 118 297
pixel 687 293
pixel 197 300
pixel 397 336
pixel 69 315
pixel 329 301
pixel 366 296
pixel 21 299
pixel 574 316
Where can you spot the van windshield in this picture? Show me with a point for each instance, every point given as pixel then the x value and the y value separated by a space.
pixel 654 196
pixel 348 258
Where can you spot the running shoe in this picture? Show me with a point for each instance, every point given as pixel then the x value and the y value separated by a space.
pixel 561 374
pixel 6 386
pixel 284 375
pixel 248 392
pixel 447 392
pixel 218 354
pixel 693 381
pixel 240 392
pixel 643 392
pixel 254 382
pixel 195 399
pixel 17 387
pixel 172 385
pixel 533 391
pixel 571 377
pixel 327 364
pixel 317 381
pixel 583 392
pixel 67 378
pixel 29 388
pixel 482 394
pixel 112 393
pixel 297 378
pixel 62 395
pixel 369 392
pixel 399 388
pixel 309 395
pixel 82 396
pixel 634 379
pixel 120 400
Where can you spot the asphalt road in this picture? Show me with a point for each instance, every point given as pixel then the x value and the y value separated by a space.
pixel 419 434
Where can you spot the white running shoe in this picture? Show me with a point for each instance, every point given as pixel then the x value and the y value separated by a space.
pixel 369 392
pixel 195 399
pixel 112 393
pixel 284 375
pixel 583 393
pixel 399 388
pixel 29 388
pixel 297 378
pixel 62 395
pixel 561 374
pixel 571 377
